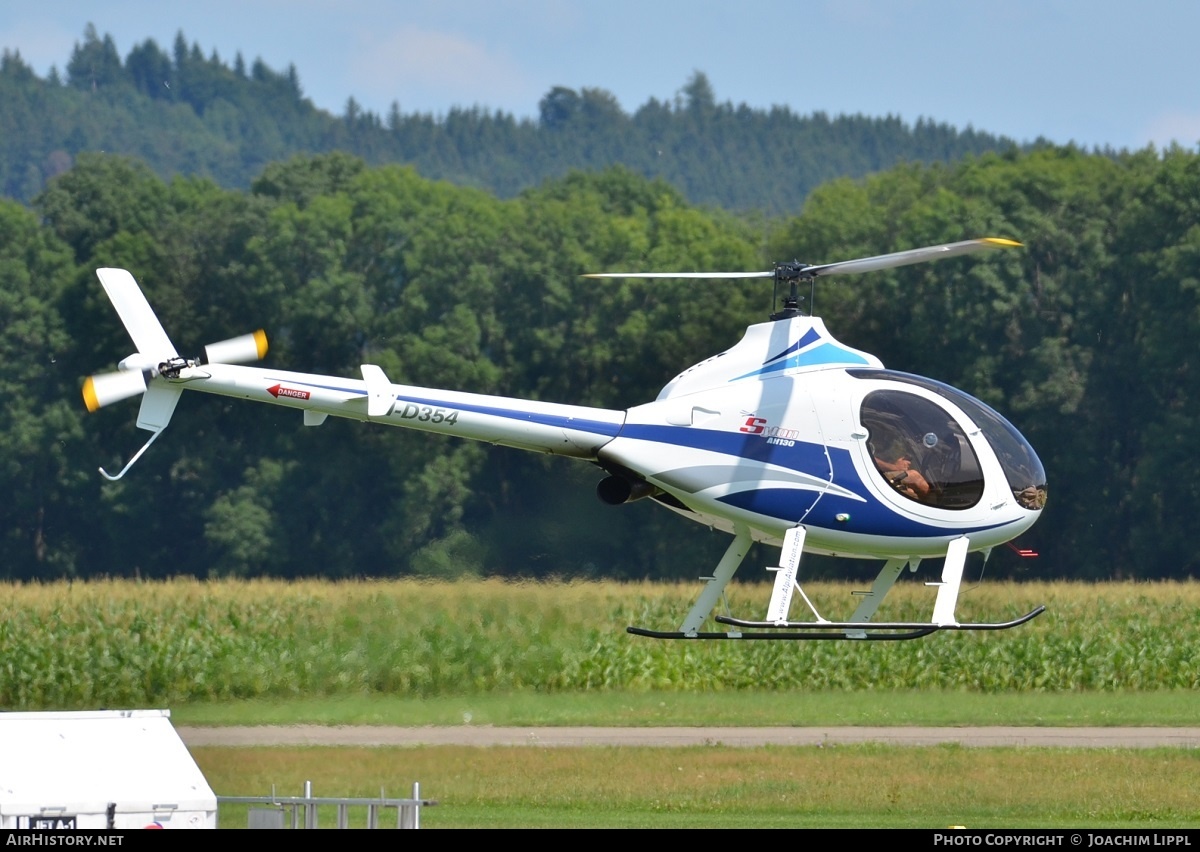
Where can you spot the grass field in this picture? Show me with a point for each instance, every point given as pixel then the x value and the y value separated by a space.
pixel 863 786
pixel 741 708
pixel 557 654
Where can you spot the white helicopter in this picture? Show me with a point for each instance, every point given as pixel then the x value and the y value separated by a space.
pixel 789 438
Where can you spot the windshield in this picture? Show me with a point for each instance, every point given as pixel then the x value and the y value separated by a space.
pixel 1022 468
pixel 920 450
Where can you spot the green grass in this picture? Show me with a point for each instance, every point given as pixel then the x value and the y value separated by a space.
pixel 710 786
pixel 858 786
pixel 745 708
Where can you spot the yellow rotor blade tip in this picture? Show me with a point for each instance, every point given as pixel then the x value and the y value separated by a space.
pixel 1000 241
pixel 89 394
pixel 260 342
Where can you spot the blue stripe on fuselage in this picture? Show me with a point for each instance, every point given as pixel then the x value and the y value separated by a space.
pixel 806 457
pixel 596 427
pixel 810 336
pixel 867 513
pixel 827 354
pixel 869 517
pixel 810 350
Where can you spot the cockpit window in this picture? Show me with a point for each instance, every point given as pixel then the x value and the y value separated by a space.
pixel 920 450
pixel 1022 468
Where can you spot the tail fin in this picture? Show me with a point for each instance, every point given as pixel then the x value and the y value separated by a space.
pixel 156 360
pixel 136 373
pixel 140 320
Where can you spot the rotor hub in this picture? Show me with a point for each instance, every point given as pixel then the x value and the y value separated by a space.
pixel 792 274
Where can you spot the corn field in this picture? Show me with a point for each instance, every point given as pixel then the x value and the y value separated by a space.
pixel 127 643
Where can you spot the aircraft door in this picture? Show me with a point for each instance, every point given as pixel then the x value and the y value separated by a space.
pixel 920 451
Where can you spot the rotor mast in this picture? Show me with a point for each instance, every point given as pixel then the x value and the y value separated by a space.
pixel 792 274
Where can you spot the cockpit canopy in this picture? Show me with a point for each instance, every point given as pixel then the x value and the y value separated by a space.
pixel 922 451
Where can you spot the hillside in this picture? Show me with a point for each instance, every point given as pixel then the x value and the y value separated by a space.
pixel 185 113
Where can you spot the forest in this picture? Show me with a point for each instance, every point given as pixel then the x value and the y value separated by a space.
pixel 1084 338
pixel 185 113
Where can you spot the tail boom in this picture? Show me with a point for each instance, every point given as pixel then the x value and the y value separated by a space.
pixel 566 430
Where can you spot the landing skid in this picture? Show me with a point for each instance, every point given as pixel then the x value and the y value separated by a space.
pixel 892 630
pixel 915 628
pixel 778 634
pixel 859 627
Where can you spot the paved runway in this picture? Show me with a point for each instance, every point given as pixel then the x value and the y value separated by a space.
pixel 482 735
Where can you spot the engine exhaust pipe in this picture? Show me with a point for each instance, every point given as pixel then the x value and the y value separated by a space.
pixel 616 490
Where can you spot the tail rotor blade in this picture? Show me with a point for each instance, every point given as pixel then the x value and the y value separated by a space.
pixel 237 350
pixel 107 388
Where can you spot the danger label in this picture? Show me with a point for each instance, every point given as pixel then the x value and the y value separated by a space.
pixel 294 393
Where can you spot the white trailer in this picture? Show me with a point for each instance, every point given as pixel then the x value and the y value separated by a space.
pixel 105 769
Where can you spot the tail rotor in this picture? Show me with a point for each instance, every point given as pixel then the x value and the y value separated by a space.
pixel 237 350
pixel 106 388
pixel 150 370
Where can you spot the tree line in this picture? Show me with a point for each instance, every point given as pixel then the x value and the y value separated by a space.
pixel 187 113
pixel 1084 338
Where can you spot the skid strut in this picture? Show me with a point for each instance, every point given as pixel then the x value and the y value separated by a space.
pixel 715 587
pixel 778 626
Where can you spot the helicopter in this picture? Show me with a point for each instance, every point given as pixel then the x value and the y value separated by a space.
pixel 789 438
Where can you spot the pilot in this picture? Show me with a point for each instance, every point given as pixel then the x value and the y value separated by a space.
pixel 895 463
pixel 904 477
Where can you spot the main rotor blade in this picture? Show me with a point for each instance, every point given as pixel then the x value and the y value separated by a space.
pixel 904 258
pixel 237 350
pixel 107 388
pixel 679 275
pixel 794 271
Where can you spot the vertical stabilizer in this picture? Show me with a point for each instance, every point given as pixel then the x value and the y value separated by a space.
pixel 139 318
